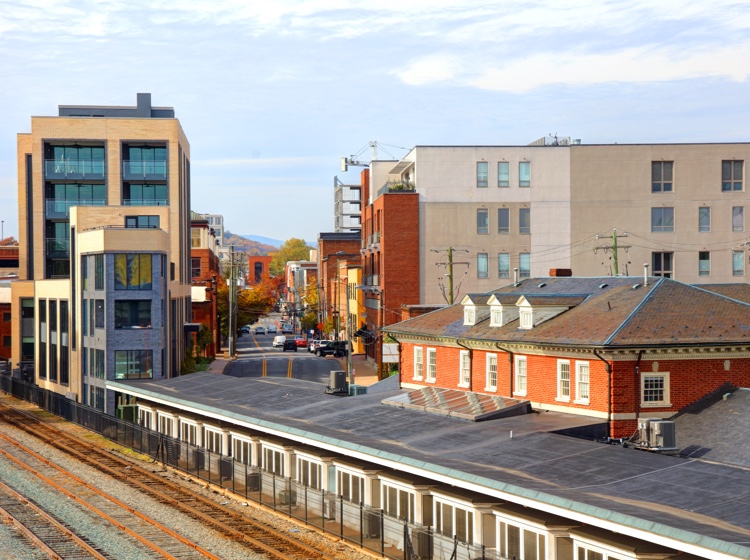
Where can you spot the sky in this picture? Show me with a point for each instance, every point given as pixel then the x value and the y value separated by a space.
pixel 272 94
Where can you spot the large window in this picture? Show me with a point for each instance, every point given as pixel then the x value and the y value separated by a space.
pixel 141 221
pixel 503 220
pixel 145 195
pixel 351 487
pixel 524 174
pixel 43 338
pixel 520 388
pixel 195 267
pixel 521 542
pixel 655 389
pixel 134 364
pixel 563 380
pixel 53 340
pixel 704 218
pixel 309 473
pixel 133 314
pixel 731 175
pixel 482 265
pixel 242 450
pixel 662 219
pixel 704 263
pixel 273 460
pixel 454 521
pixel 661 176
pixel 662 264
pixel 503 174
pixel 482 173
pixel 418 362
pixel 133 271
pixel 97 363
pixel 99 314
pixel 398 502
pixel 503 265
pixel 464 376
pixel 431 365
pixel 524 220
pixel 738 263
pixel 491 372
pixel 483 221
pixel 524 265
pixel 738 218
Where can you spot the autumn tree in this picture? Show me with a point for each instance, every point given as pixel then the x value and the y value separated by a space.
pixel 293 249
pixel 252 303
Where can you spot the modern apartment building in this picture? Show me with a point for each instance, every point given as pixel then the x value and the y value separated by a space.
pixel 347 207
pixel 104 234
pixel 528 209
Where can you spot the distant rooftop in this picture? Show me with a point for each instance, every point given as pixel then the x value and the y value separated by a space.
pixel 142 110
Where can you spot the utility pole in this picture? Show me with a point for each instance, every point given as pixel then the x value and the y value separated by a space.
pixel 232 304
pixel 449 266
pixel 614 248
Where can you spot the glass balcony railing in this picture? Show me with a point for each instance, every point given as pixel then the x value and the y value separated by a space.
pixel 140 170
pixel 76 169
pixel 57 246
pixel 144 202
pixel 61 208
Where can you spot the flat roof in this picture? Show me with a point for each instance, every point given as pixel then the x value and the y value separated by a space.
pixel 523 459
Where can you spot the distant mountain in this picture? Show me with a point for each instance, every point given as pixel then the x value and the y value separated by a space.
pixel 248 246
pixel 264 240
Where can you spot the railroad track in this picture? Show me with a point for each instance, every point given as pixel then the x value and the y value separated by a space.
pixel 255 536
pixel 42 530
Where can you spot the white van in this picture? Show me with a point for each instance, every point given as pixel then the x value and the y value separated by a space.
pixel 278 341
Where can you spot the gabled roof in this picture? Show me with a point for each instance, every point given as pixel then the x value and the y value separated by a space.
pixel 611 312
pixel 475 299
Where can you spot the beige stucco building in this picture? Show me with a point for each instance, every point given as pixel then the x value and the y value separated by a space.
pixel 557 205
pixel 104 263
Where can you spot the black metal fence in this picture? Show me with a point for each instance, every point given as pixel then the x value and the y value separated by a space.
pixel 354 522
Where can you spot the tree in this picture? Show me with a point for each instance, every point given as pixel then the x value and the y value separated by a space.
pixel 252 303
pixel 293 249
pixel 203 339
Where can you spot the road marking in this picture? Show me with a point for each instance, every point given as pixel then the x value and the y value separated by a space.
pixel 255 340
pixel 264 368
pixel 289 369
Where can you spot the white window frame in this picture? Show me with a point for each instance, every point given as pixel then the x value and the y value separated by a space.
pixel 490 362
pixel 470 315
pixel 188 431
pixel 431 365
pixel 524 183
pixel 665 402
pixel 213 439
pixel 438 517
pixel 520 380
pixel 464 368
pixel 312 469
pixel 145 417
pixel 347 490
pixel 738 263
pixel 242 449
pixel 418 363
pixel 273 459
pixel 405 499
pixel 162 421
pixel 563 384
pixel 581 399
pixel 526 318
pixel 496 317
pixel 540 536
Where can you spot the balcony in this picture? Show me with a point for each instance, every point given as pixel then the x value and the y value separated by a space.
pixel 74 170
pixel 144 202
pixel 144 170
pixel 57 247
pixel 372 243
pixel 397 187
pixel 55 208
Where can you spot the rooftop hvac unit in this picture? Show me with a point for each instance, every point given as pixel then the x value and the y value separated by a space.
pixel 644 430
pixel 663 435
pixel 337 383
pixel 287 498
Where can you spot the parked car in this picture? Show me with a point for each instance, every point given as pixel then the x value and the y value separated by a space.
pixel 312 344
pixel 337 348
pixel 290 345
pixel 260 330
pixel 245 329
pixel 272 329
pixel 300 341
pixel 278 341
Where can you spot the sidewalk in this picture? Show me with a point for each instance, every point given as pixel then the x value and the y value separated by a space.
pixel 364 372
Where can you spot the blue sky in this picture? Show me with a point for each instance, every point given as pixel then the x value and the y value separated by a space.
pixel 272 94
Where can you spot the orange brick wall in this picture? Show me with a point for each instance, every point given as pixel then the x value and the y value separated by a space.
pixel 689 380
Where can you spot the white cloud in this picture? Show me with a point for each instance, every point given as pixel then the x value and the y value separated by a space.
pixel 430 69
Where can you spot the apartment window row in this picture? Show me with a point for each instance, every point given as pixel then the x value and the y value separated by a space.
pixel 662 263
pixel 503 221
pixel 662 176
pixel 503 174
pixel 503 265
pixel 662 219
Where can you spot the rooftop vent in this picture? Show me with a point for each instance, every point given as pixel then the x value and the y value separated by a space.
pixel 602 286
pixel 636 286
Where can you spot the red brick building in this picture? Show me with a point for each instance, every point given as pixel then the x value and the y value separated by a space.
pixel 258 268
pixel 390 261
pixel 336 250
pixel 205 275
pixel 613 348
pixel 5 326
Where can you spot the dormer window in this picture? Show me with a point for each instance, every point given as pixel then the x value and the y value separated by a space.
pixel 470 315
pixel 526 317
pixel 496 317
